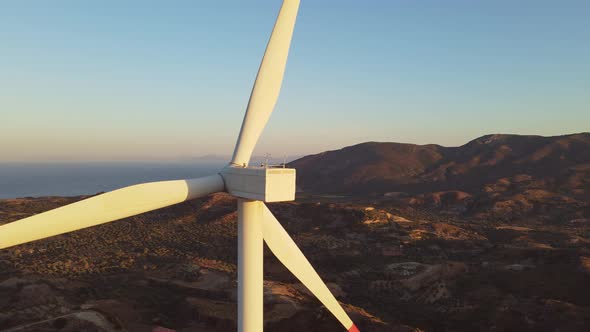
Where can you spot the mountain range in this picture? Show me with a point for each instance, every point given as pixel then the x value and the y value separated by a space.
pixel 559 163
pixel 492 235
pixel 492 177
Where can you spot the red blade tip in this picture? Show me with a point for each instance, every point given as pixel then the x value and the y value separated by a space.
pixel 353 328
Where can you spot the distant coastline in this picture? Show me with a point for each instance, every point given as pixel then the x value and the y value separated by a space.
pixel 26 179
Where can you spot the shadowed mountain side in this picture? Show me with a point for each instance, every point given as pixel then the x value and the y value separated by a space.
pixel 558 163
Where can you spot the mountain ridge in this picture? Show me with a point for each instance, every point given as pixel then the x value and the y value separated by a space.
pixel 379 167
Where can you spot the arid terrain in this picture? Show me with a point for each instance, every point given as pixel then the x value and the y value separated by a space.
pixel 490 236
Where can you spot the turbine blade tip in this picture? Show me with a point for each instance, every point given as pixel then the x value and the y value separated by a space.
pixel 353 328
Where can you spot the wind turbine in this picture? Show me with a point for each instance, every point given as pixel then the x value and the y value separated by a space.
pixel 251 185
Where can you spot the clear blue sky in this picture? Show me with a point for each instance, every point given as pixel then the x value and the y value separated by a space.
pixel 136 80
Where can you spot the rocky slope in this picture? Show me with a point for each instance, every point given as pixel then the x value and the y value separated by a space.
pixel 495 176
pixel 490 236
pixel 394 269
pixel 561 162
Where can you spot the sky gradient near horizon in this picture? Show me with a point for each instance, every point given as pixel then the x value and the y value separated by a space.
pixel 148 80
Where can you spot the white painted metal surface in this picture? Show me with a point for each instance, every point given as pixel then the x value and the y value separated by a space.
pixel 260 183
pixel 111 206
pixel 285 249
pixel 268 83
pixel 250 266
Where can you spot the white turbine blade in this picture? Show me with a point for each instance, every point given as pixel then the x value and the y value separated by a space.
pixel 268 83
pixel 285 249
pixel 111 206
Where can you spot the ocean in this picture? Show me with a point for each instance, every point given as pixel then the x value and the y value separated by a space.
pixel 73 179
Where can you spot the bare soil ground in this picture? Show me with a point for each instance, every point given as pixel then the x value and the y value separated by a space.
pixel 394 266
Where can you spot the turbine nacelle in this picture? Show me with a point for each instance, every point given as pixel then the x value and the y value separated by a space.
pixel 265 184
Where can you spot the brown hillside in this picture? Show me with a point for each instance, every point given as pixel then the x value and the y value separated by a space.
pixel 559 163
pixel 365 166
pixel 494 177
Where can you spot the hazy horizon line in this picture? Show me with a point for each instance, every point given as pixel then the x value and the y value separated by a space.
pixel 212 158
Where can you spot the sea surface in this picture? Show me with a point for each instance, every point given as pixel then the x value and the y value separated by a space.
pixel 73 179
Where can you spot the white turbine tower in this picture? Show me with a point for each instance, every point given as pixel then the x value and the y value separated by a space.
pixel 251 185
